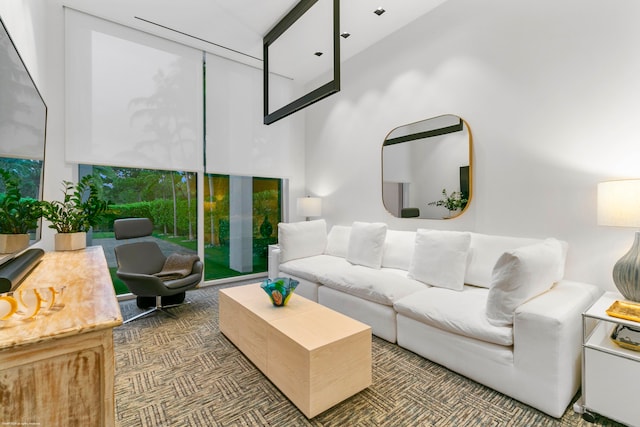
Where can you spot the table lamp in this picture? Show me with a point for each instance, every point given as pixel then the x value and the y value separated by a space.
pixel 309 206
pixel 619 205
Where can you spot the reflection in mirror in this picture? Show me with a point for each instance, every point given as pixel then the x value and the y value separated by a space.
pixel 305 48
pixel 23 116
pixel 426 169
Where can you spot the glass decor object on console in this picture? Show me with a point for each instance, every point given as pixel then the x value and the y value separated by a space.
pixel 303 46
pixel 427 168
pixel 25 304
pixel 23 118
pixel 279 289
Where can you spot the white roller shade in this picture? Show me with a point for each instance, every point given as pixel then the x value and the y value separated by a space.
pixel 132 99
pixel 238 143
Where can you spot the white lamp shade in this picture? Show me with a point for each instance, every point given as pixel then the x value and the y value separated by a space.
pixel 619 203
pixel 309 206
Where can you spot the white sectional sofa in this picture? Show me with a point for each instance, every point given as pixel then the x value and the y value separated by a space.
pixel 494 309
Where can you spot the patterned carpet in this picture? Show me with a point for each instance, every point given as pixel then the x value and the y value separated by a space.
pixel 184 372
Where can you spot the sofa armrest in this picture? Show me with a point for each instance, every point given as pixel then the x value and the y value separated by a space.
pixel 552 322
pixel 547 336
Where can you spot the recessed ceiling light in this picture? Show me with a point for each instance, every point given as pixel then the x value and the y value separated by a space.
pixel 344 35
pixel 318 54
pixel 379 11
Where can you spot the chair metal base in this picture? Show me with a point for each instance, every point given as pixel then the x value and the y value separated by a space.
pixel 158 308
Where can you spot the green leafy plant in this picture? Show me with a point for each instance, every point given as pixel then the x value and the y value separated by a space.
pixel 18 214
pixel 452 202
pixel 80 209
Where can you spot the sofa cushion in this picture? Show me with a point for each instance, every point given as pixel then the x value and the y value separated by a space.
pixel 302 239
pixel 311 267
pixel 366 243
pixel 440 258
pixel 398 249
pixel 520 275
pixel 338 241
pixel 461 313
pixel 370 284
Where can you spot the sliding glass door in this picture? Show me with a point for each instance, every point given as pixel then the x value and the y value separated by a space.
pixel 240 216
pixel 240 221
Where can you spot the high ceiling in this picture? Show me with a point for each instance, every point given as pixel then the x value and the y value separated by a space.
pixel 235 28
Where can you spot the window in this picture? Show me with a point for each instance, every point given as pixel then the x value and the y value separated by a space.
pixel 168 198
pixel 240 216
pixel 240 222
pixel 138 101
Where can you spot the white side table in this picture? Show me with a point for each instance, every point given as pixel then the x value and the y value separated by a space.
pixel 610 373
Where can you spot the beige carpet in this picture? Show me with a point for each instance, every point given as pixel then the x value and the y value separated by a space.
pixel 184 372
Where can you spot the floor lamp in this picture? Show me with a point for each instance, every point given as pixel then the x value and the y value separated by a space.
pixel 619 205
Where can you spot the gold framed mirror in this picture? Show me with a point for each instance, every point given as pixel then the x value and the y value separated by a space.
pixel 427 168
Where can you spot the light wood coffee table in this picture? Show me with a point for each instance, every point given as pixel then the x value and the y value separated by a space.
pixel 314 355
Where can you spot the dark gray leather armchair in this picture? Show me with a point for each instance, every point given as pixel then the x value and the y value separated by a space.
pixel 139 262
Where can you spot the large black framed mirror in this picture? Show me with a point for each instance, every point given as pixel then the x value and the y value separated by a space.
pixel 427 168
pixel 23 120
pixel 304 47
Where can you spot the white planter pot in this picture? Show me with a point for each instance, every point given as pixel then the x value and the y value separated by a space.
pixel 10 243
pixel 70 241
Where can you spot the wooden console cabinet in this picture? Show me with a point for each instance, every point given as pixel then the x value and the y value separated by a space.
pixel 58 368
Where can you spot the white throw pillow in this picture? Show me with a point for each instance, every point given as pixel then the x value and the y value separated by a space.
pixel 440 258
pixel 484 252
pixel 366 243
pixel 302 239
pixel 520 275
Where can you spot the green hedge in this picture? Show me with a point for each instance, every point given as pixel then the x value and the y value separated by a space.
pixel 160 211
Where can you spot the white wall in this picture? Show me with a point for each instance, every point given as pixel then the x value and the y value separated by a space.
pixel 551 94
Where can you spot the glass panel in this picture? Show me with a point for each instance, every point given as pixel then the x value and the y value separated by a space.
pixel 168 198
pixel 29 173
pixel 240 221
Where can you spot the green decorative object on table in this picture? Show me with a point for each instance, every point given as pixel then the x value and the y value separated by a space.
pixel 279 289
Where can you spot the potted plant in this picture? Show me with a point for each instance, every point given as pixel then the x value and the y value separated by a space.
pixel 18 215
pixel 451 202
pixel 80 209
